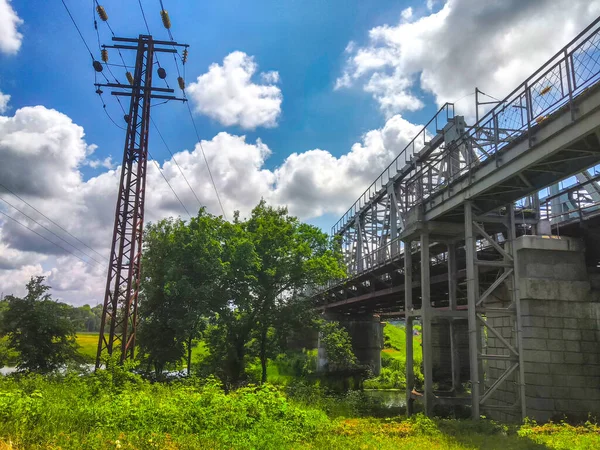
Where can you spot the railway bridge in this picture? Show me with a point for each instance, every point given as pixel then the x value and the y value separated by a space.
pixel 489 236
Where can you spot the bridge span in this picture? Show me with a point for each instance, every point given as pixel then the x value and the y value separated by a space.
pixel 489 236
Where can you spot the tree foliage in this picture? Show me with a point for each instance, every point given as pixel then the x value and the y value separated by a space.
pixel 182 266
pixel 294 257
pixel 241 283
pixel 39 329
pixel 338 346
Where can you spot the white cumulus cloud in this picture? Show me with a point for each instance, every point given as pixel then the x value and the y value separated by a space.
pixel 42 152
pixel 10 38
pixel 227 93
pixel 4 99
pixel 466 43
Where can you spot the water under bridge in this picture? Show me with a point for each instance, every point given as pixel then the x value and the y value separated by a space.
pixel 489 235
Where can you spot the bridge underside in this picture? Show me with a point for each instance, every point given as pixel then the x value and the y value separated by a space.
pixel 382 291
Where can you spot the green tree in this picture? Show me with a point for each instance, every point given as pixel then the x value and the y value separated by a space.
pixel 234 311
pixel 294 257
pixel 243 279
pixel 338 346
pixel 182 269
pixel 39 329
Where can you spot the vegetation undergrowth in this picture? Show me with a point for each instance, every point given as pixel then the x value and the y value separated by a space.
pixel 393 360
pixel 118 409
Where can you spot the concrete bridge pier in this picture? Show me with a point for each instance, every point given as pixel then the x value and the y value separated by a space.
pixel 561 334
pixel 366 333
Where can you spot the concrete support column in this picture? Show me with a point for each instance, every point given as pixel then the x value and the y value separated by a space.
pixel 366 333
pixel 452 286
pixel 472 294
pixel 426 315
pixel 408 306
pixel 512 236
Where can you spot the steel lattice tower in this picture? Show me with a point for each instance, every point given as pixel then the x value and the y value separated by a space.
pixel 119 316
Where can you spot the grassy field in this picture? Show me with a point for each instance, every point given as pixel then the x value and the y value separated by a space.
pixel 118 410
pixel 393 360
pixel 88 346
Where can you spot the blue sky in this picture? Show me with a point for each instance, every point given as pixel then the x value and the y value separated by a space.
pixel 302 103
pixel 303 40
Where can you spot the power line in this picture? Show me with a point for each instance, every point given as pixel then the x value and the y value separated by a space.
pixel 45 238
pixel 144 16
pixel 206 161
pixel 149 33
pixel 175 161
pixel 120 104
pixel 108 115
pixel 48 230
pixel 162 7
pixel 78 30
pixel 50 220
pixel 212 180
pixel 111 31
pixel 169 184
pixel 153 160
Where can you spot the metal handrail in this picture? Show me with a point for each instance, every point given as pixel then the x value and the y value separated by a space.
pixel 566 75
pixel 387 174
pixel 531 102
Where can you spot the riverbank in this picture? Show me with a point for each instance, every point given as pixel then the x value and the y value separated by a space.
pixel 119 410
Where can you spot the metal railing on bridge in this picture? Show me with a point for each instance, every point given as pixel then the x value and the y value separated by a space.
pixel 565 76
pixel 391 172
pixel 428 164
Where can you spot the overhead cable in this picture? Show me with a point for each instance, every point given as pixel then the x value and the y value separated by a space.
pixel 78 30
pixel 48 230
pixel 169 184
pixel 212 180
pixel 175 161
pixel 50 220
pixel 206 161
pixel 45 238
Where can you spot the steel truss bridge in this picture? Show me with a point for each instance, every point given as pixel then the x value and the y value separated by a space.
pixel 432 237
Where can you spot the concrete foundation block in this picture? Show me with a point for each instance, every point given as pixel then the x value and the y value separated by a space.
pixel 572 346
pixel 536 379
pixel 588 335
pixel 533 321
pixel 554 322
pixel 554 345
pixel 570 323
pixel 561 331
pixel 536 368
pixel 572 335
pixel 535 344
pixel 535 332
pixel 542 404
pixel 573 358
pixel 540 356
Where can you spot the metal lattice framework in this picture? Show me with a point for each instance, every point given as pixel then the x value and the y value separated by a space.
pixel 446 150
pixel 119 317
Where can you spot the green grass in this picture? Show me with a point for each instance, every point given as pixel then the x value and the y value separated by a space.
pixel 88 343
pixel 393 360
pixel 88 346
pixel 118 410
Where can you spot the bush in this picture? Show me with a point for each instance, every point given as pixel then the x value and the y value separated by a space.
pixel 88 411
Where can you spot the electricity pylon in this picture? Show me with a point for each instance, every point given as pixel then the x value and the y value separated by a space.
pixel 119 314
